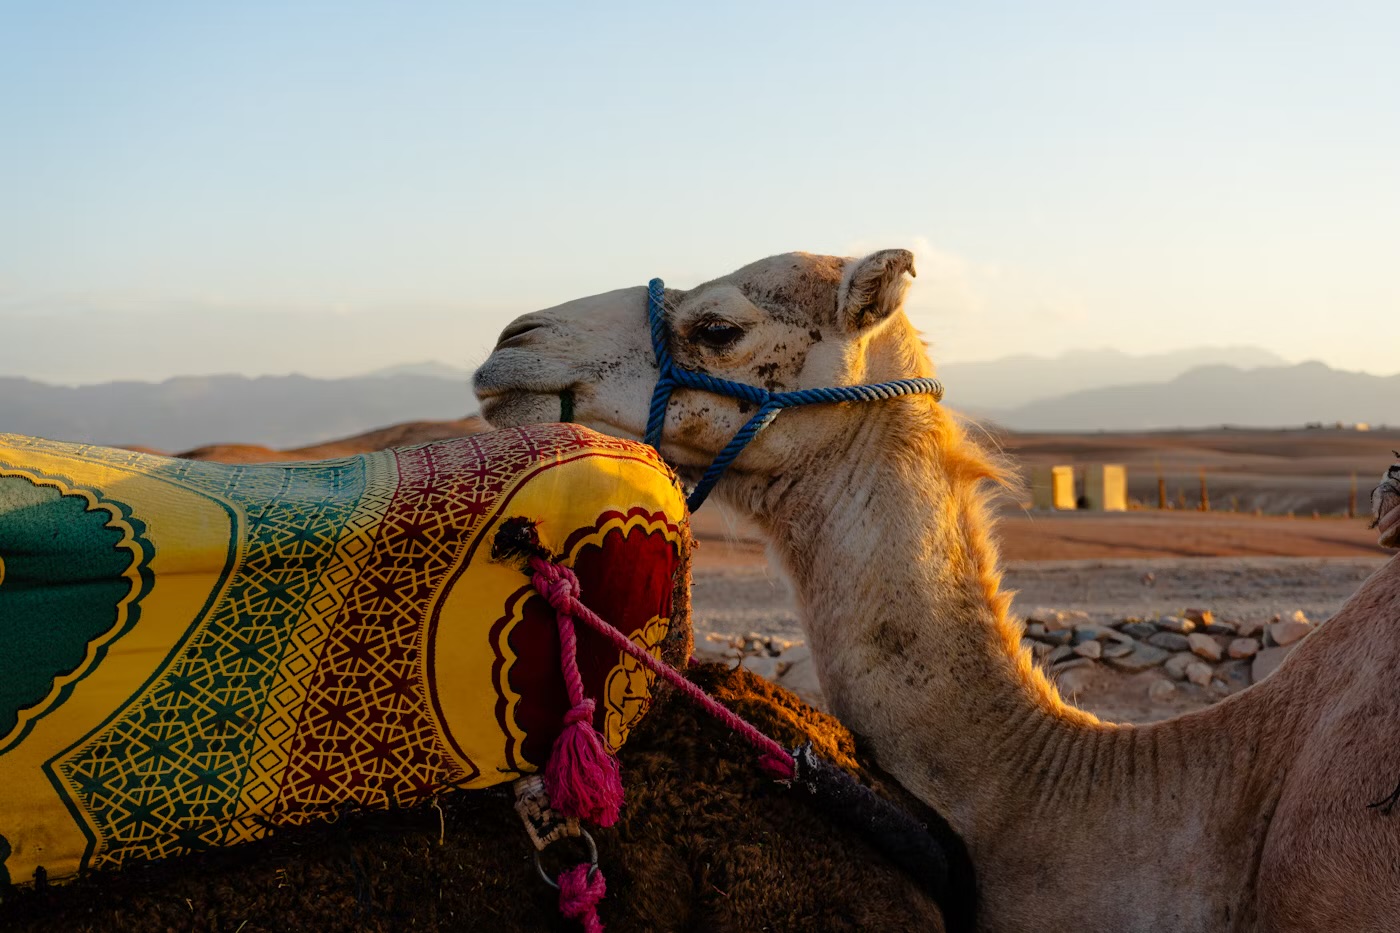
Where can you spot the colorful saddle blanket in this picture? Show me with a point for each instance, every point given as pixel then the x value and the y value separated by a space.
pixel 192 653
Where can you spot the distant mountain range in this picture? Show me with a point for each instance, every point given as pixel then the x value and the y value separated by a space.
pixel 1206 396
pixel 189 411
pixel 1082 391
pixel 1020 380
pixel 431 368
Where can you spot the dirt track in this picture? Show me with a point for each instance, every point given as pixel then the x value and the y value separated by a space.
pixel 1240 566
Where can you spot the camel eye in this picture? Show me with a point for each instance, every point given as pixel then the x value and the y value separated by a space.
pixel 717 334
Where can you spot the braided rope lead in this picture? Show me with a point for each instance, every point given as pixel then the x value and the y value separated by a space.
pixel 581 777
pixel 770 404
pixel 559 587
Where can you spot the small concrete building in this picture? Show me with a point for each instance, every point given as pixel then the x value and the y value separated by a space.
pixel 1106 488
pixel 1052 487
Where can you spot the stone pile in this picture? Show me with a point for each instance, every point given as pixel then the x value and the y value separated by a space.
pixel 783 661
pixel 1194 646
pixel 1218 655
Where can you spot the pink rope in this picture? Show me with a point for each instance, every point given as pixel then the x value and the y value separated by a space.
pixel 559 587
pixel 581 777
pixel 579 894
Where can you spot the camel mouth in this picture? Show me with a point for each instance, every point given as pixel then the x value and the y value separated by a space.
pixel 489 394
pixel 509 408
pixel 491 384
pixel 515 388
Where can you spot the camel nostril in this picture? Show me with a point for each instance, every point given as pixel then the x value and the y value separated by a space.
pixel 517 329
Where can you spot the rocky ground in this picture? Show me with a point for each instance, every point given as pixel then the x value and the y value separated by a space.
pixel 1130 640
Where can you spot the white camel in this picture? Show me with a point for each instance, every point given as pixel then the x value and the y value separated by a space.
pixel 1250 815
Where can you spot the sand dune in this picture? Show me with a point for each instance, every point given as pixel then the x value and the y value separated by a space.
pixel 399 435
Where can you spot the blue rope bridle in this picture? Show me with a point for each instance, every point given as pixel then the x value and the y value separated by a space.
pixel 769 403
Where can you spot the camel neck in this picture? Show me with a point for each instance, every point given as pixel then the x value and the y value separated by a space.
pixel 886 542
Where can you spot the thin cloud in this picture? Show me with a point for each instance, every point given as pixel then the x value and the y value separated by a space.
pixel 948 285
pixel 974 309
pixel 1063 311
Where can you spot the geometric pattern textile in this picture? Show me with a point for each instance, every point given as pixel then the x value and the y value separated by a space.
pixel 193 654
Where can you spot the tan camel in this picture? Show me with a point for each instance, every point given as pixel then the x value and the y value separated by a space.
pixel 1250 815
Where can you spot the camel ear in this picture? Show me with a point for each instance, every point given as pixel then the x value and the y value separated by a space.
pixel 873 288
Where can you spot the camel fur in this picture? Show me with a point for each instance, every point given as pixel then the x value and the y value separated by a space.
pixel 1250 815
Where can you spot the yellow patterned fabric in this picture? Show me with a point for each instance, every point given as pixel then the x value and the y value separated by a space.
pixel 193 653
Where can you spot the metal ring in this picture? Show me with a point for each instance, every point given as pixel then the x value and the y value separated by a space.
pixel 592 860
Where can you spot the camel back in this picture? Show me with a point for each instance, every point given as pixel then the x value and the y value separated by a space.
pixel 192 653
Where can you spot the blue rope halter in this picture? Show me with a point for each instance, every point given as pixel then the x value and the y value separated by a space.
pixel 769 403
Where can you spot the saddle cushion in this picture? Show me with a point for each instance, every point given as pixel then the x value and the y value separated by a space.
pixel 193 653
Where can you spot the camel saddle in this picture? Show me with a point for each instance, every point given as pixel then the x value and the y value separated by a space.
pixel 193 654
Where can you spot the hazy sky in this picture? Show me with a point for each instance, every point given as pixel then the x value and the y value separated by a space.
pixel 330 187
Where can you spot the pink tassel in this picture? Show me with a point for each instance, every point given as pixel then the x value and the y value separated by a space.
pixel 579 894
pixel 581 778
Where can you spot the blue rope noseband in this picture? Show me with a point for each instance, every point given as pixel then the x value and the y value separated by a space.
pixel 769 403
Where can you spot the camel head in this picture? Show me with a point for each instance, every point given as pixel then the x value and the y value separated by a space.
pixel 1385 507
pixel 793 321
